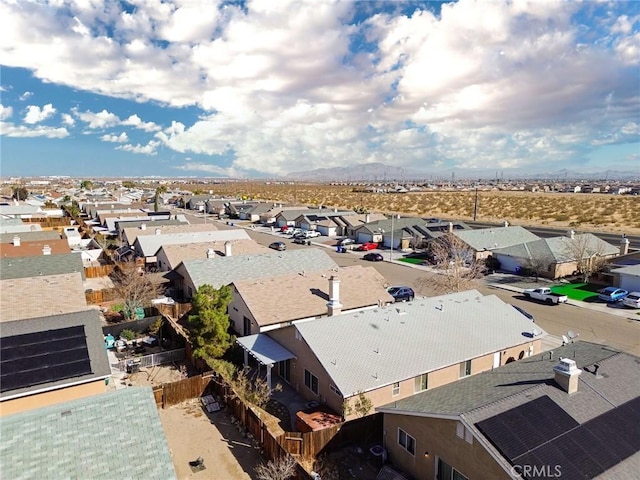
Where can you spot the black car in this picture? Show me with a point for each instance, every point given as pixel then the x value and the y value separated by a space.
pixel 278 246
pixel 373 257
pixel 300 240
pixel 401 294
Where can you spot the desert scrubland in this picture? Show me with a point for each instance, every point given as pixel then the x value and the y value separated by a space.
pixel 614 213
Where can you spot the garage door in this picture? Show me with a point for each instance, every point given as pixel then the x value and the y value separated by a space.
pixel 629 283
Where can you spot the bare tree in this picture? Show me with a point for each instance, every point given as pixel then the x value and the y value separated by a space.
pixel 588 252
pixel 537 264
pixel 457 265
pixel 283 468
pixel 134 287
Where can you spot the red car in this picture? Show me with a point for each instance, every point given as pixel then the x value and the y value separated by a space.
pixel 367 246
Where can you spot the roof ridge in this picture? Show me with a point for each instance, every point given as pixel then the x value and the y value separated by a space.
pixel 503 399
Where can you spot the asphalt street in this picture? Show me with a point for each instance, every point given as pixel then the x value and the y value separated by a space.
pixel 617 331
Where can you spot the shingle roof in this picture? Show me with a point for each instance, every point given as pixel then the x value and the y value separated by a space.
pixel 633 270
pixel 29 236
pixel 41 265
pixel 559 249
pixel 39 296
pixel 149 245
pixel 34 248
pixel 193 251
pixel 150 222
pixel 518 377
pixel 308 294
pixel 372 348
pixel 90 319
pixel 496 237
pixel 113 435
pixel 150 228
pixel 225 270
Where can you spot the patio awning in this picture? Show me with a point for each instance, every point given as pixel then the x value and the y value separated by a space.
pixel 265 349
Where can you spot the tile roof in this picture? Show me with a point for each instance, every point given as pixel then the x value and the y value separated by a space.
pixel 150 244
pixel 117 434
pixel 371 348
pixel 34 248
pixel 31 297
pixel 225 270
pixel 495 237
pixel 559 249
pixel 193 251
pixel 89 319
pixel 41 265
pixel 308 294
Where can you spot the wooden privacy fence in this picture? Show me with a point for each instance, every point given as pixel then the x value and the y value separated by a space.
pixel 173 393
pixel 99 296
pixel 98 271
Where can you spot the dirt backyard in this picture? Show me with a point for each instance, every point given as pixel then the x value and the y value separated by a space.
pixel 193 433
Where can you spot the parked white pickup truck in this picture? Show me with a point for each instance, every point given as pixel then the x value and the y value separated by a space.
pixel 544 295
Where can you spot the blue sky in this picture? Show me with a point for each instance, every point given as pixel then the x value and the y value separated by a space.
pixel 263 88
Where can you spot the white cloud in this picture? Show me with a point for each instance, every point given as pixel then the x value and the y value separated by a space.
pixel 68 119
pixel 210 169
pixel 148 149
pixel 11 130
pixel 36 114
pixel 115 138
pixel 135 121
pixel 25 95
pixel 5 112
pixel 493 84
pixel 95 120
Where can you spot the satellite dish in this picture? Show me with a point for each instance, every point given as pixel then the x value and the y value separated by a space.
pixel 571 334
pixel 565 340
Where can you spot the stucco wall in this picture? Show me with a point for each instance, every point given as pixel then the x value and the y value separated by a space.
pixel 438 438
pixel 52 398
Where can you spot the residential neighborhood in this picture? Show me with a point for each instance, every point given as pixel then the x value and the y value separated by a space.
pixel 116 316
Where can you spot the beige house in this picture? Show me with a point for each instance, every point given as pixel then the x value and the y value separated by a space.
pixel 394 351
pixel 130 234
pixel 170 256
pixel 484 241
pixel 50 360
pixel 556 257
pixel 258 304
pixel 560 414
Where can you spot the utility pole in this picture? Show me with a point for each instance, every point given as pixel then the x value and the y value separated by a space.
pixel 475 206
pixel 391 251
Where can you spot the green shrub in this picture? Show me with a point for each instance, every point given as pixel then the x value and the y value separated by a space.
pixel 128 334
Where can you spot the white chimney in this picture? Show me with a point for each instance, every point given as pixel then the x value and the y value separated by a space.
pixel 211 253
pixel 46 250
pixel 572 234
pixel 567 374
pixel 624 245
pixel 506 224
pixel 143 226
pixel 16 241
pixel 450 227
pixel 158 231
pixel 227 249
pixel 367 218
pixel 334 306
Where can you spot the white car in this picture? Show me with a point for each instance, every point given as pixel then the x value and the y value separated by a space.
pixel 632 300
pixel 312 233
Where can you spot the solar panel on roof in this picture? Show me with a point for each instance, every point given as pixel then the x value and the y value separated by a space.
pixel 582 451
pixel 43 357
pixel 523 428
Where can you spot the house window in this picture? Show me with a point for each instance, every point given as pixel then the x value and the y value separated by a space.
pixel 335 390
pixel 422 382
pixel 311 381
pixel 395 389
pixel 464 432
pixel 406 441
pixel 447 472
pixel 465 368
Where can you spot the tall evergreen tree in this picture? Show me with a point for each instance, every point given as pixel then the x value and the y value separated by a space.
pixel 209 322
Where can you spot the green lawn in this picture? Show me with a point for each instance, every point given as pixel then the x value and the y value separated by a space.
pixel 412 260
pixel 578 291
